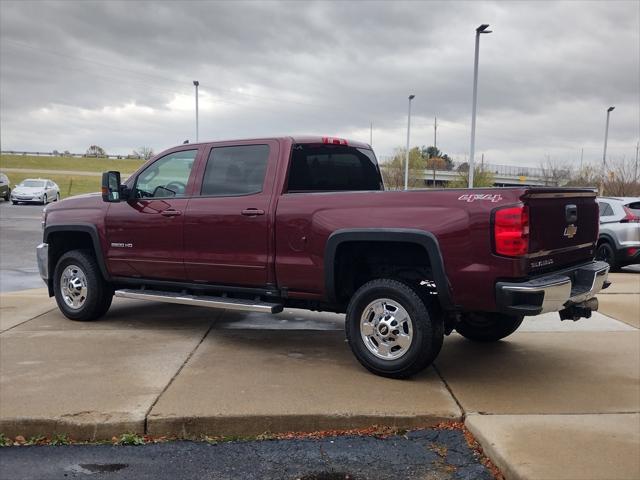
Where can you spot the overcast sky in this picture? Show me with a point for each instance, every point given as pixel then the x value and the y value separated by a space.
pixel 119 74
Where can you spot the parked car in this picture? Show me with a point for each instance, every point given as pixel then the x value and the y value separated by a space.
pixel 304 222
pixel 619 240
pixel 5 187
pixel 35 190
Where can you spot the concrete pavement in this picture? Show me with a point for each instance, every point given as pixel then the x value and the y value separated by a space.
pixel 554 390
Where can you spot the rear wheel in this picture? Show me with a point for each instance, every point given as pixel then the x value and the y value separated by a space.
pixel 44 199
pixel 81 292
pixel 488 327
pixel 606 253
pixel 391 331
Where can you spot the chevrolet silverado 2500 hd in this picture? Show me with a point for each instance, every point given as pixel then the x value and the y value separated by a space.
pixel 304 222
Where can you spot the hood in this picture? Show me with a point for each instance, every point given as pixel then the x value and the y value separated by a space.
pixel 86 200
pixel 28 190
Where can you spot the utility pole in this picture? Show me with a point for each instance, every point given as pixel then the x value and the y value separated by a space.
pixel 371 134
pixel 581 158
pixel 435 133
pixel 635 170
pixel 196 83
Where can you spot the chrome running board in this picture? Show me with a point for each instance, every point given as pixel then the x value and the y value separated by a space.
pixel 201 300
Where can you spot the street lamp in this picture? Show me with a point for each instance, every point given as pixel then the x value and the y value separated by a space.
pixel 406 163
pixel 481 29
pixel 606 137
pixel 196 83
pixel 604 153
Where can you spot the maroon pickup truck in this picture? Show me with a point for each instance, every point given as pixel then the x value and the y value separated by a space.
pixel 304 222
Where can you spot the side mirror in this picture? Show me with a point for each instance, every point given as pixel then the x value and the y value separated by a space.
pixel 111 186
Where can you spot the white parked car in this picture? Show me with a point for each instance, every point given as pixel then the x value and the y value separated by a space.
pixel 35 190
pixel 619 241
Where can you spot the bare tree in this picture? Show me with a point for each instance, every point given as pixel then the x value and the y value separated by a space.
pixel 393 171
pixel 619 179
pixel 144 152
pixel 587 176
pixel 481 178
pixel 554 173
pixel 96 151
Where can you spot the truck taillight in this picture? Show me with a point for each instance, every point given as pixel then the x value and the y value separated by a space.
pixel 334 141
pixel 511 231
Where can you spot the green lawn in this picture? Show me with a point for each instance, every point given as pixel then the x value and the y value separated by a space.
pixel 69 163
pixel 69 184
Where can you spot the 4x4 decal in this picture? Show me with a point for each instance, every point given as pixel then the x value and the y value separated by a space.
pixel 471 197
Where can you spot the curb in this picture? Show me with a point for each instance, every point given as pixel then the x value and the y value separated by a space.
pixel 94 428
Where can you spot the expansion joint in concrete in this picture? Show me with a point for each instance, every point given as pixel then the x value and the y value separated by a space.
pixel 175 375
pixel 455 399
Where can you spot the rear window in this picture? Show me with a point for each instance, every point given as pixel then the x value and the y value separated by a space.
pixel 326 168
pixel 634 207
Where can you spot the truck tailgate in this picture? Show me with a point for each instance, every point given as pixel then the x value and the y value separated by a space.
pixel 563 227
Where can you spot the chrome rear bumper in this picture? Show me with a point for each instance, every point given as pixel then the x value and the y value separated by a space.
pixel 553 292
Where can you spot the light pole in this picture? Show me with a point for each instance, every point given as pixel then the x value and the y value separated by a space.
pixel 481 29
pixel 406 163
pixel 196 83
pixel 606 137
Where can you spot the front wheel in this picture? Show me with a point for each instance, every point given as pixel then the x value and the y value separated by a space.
pixel 488 327
pixel 391 331
pixel 81 292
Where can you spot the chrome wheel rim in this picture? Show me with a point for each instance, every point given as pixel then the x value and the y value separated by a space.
pixel 386 329
pixel 73 286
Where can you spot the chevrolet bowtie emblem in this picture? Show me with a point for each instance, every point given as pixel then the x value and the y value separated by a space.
pixel 570 231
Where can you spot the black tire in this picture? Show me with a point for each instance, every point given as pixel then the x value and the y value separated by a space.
pixel 14 203
pixel 99 293
pixel 488 327
pixel 425 340
pixel 606 253
pixel 57 197
pixel 44 199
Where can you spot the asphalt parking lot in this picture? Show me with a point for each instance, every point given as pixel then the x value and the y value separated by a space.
pixel 20 234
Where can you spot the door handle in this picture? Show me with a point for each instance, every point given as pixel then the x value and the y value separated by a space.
pixel 170 212
pixel 252 212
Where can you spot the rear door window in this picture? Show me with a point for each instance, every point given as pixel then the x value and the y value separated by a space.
pixel 325 168
pixel 605 209
pixel 237 170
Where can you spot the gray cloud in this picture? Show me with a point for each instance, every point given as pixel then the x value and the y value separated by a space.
pixel 119 73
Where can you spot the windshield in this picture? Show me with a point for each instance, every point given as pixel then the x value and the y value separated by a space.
pixel 31 183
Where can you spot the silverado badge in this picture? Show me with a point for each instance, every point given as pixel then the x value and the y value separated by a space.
pixel 570 231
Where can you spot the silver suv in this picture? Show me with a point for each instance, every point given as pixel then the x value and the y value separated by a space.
pixel 619 241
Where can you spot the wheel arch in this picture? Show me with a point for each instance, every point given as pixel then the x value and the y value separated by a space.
pixel 64 238
pixel 423 239
pixel 607 237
